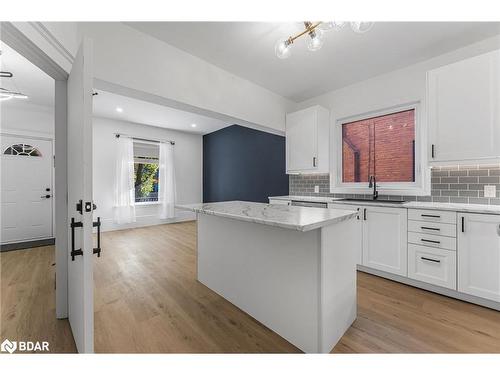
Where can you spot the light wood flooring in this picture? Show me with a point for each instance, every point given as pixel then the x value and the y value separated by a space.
pixel 147 299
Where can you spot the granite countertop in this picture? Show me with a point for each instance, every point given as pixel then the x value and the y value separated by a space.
pixel 289 217
pixel 459 207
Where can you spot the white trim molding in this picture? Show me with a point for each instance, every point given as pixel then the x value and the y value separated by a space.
pixel 53 41
pixel 421 185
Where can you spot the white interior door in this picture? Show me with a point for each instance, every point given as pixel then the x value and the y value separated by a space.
pixel 80 276
pixel 26 165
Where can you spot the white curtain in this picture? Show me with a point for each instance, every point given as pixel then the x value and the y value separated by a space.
pixel 166 190
pixel 124 205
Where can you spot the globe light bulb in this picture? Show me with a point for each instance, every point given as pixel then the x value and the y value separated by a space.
pixel 361 27
pixel 283 48
pixel 332 25
pixel 315 41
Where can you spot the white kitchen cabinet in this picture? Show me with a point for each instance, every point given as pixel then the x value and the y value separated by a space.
pixel 382 237
pixel 479 255
pixel 307 140
pixel 464 110
pixel 385 239
pixel 433 266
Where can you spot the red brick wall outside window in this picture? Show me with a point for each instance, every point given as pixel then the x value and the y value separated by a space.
pixel 382 146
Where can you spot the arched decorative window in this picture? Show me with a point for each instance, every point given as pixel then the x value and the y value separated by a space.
pixel 22 150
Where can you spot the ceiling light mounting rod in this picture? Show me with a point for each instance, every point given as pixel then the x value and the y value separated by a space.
pixel 309 29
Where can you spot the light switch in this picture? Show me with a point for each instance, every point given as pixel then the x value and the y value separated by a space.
pixel 316 188
pixel 490 191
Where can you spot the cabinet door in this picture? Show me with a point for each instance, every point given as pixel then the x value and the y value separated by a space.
pixel 359 223
pixel 464 104
pixel 479 255
pixel 302 140
pixel 385 239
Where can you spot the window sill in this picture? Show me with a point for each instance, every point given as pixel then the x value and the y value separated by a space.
pixel 419 191
pixel 146 203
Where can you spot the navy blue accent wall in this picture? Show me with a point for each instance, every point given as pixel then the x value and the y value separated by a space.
pixel 240 163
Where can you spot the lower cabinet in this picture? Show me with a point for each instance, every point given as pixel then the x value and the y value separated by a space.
pixel 479 255
pixel 433 266
pixel 385 239
pixel 382 237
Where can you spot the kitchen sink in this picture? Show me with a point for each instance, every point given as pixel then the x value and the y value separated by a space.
pixel 397 201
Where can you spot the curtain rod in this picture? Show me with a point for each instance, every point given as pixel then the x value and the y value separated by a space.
pixel 117 135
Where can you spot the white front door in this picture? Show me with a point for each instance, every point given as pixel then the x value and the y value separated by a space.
pixel 26 167
pixel 80 258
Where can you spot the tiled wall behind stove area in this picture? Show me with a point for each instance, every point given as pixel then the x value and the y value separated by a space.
pixel 456 184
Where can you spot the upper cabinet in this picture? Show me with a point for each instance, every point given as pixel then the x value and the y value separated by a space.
pixel 307 139
pixel 464 110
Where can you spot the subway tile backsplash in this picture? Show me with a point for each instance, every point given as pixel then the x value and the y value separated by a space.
pixel 456 184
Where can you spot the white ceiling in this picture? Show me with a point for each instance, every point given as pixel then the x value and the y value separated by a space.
pixel 27 79
pixel 246 49
pixel 141 112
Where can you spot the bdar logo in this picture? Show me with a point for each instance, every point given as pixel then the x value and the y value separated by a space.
pixel 8 346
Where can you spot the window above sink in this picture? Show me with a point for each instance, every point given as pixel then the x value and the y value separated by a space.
pixel 387 144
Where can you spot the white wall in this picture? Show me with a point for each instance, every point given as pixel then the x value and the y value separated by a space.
pixel 394 88
pixel 27 119
pixel 127 57
pixel 188 173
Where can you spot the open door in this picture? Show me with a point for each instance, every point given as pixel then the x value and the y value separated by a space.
pixel 80 206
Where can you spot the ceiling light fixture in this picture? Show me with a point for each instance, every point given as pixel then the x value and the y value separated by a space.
pixel 119 109
pixel 193 125
pixel 315 32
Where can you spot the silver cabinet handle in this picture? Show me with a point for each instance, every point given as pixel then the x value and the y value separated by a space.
pixel 314 161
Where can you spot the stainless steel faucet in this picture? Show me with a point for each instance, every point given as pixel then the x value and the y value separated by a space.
pixel 373 184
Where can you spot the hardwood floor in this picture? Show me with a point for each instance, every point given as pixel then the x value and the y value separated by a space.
pixel 147 300
pixel 28 302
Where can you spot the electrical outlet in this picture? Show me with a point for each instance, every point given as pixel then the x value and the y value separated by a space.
pixel 490 191
pixel 316 188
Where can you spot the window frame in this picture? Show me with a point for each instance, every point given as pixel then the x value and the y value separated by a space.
pixel 421 185
pixel 148 203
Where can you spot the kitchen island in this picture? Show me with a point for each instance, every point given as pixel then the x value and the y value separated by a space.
pixel 291 268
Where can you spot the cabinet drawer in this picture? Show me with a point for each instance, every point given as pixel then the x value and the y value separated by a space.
pixel 433 266
pixel 424 239
pixel 449 217
pixel 442 229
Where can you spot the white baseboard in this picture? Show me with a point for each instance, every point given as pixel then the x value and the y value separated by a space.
pixel 146 220
pixel 432 288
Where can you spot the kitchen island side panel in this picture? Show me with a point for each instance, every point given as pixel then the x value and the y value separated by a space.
pixel 339 249
pixel 269 272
